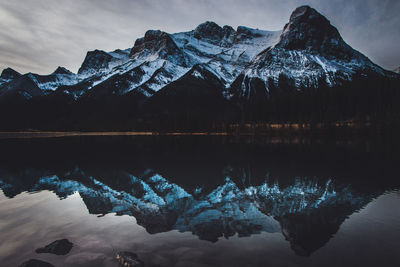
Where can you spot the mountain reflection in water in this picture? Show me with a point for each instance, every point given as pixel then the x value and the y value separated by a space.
pixel 213 187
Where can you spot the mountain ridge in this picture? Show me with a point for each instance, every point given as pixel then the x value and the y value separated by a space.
pixel 251 65
pixel 307 30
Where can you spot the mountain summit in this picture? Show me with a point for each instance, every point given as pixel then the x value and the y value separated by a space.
pixel 310 31
pixel 9 74
pixel 310 53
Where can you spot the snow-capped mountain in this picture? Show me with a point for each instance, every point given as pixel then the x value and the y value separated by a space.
pixel 310 52
pixel 159 58
pixel 30 85
pixel 212 71
pixel 397 70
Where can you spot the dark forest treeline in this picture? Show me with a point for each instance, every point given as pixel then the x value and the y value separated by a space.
pixel 364 101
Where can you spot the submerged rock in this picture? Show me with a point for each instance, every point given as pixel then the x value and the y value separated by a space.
pixel 129 259
pixel 36 263
pixel 58 247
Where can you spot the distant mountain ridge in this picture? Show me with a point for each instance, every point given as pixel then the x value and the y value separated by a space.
pixel 236 66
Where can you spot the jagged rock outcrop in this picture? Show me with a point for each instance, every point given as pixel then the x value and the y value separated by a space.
pixel 157 44
pixel 94 61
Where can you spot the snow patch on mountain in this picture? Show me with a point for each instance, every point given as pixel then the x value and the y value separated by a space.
pixel 54 80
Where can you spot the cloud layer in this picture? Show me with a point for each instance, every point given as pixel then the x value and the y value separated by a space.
pixel 40 35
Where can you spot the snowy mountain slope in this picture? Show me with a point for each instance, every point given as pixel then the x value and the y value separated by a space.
pixel 97 66
pixel 165 57
pixel 60 76
pixel 158 59
pixel 310 51
pixel 397 70
pixel 224 50
pixel 30 82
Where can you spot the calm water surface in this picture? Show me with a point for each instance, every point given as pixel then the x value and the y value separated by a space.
pixel 201 201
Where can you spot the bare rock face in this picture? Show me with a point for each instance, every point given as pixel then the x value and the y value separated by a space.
pixel 58 247
pixel 309 30
pixel 128 259
pixel 36 263
pixel 95 60
pixel 157 43
pixel 211 31
pixel 310 54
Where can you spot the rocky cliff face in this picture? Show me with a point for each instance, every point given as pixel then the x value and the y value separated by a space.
pixel 310 53
pixel 308 30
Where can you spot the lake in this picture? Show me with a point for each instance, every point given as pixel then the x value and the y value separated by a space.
pixel 201 200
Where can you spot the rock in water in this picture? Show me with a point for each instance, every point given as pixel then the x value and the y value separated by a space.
pixel 129 259
pixel 58 247
pixel 36 263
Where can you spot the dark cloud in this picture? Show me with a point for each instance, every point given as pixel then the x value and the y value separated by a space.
pixel 42 34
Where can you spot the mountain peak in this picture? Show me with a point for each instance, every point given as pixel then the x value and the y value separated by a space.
pixel 151 37
pixel 397 70
pixel 304 11
pixel 212 31
pixel 95 60
pixel 309 30
pixel 62 70
pixel 9 74
pixel 157 43
pixel 207 29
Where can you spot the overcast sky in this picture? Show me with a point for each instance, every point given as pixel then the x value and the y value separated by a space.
pixel 39 35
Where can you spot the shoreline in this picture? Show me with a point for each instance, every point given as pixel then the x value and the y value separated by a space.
pixel 271 132
pixel 54 134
